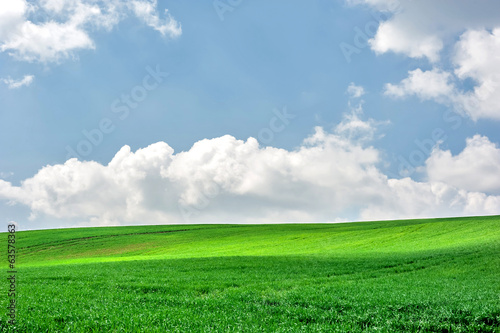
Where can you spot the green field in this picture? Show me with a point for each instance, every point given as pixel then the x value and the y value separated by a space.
pixel 439 275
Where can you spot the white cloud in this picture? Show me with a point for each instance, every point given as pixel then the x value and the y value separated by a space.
pixel 146 11
pixel 355 91
pixel 51 30
pixel 11 15
pixel 430 29
pixel 329 177
pixel 46 42
pixel 390 37
pixel 356 130
pixel 405 198
pixel 421 28
pixel 427 85
pixel 476 168
pixel 14 84
pixel 477 57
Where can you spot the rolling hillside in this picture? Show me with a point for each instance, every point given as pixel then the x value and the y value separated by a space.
pixel 438 275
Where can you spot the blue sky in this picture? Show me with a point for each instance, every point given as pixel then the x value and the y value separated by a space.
pixel 233 69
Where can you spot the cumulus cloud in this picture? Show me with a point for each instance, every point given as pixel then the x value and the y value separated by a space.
pixel 476 168
pixel 330 176
pixel 476 57
pixel 14 84
pixel 420 29
pixel 389 37
pixel 407 198
pixel 461 35
pixel 51 30
pixel 427 85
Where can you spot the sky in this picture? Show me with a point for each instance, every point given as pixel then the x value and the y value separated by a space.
pixel 128 112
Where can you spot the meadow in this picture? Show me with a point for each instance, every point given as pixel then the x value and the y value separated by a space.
pixel 433 275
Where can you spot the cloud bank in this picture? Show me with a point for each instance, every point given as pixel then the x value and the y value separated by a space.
pixel 52 30
pixel 333 175
pixel 480 157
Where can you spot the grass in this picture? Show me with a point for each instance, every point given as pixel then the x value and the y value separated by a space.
pixel 439 275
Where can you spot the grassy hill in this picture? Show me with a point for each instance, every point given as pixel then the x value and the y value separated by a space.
pixel 439 275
